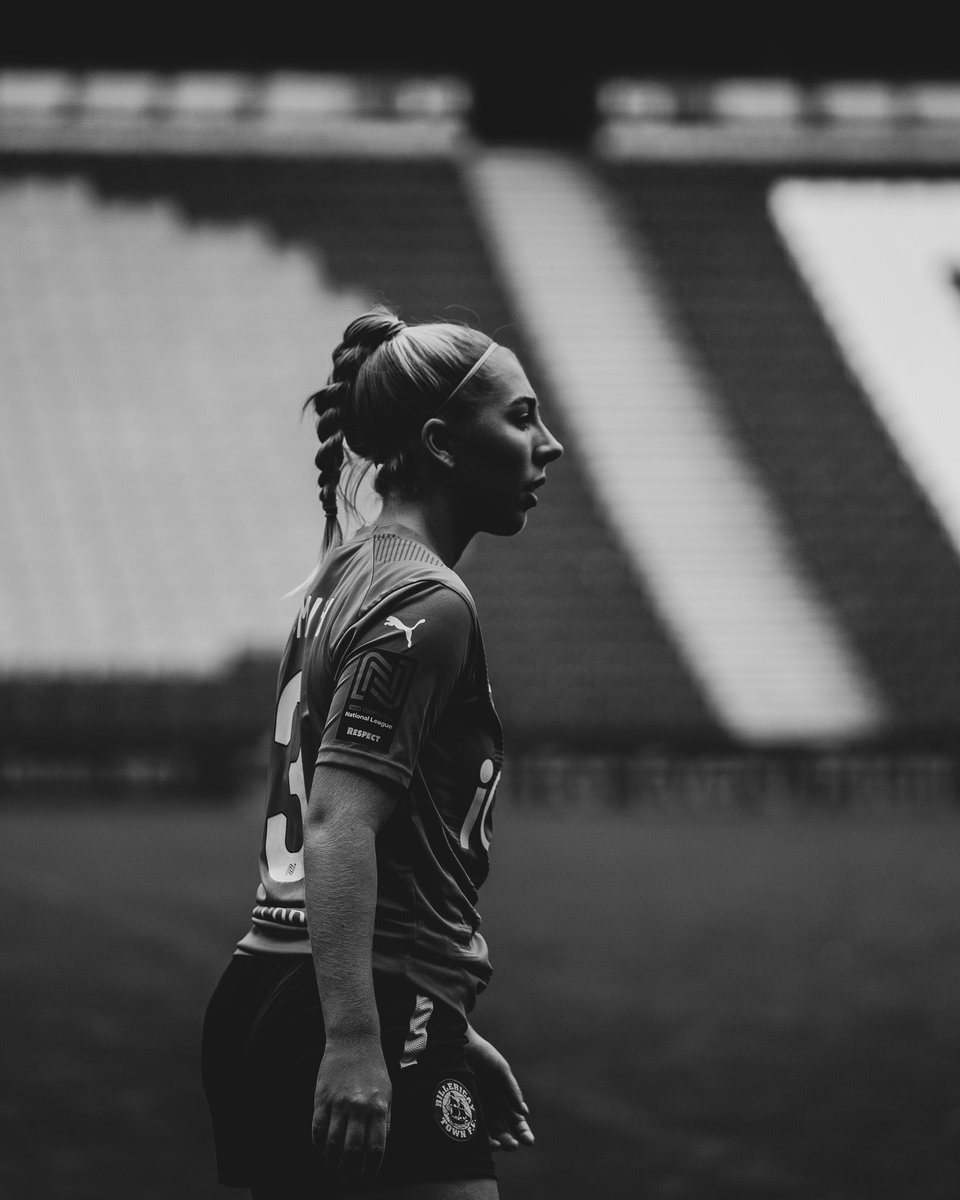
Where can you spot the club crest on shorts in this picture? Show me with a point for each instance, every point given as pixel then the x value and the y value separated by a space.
pixel 454 1110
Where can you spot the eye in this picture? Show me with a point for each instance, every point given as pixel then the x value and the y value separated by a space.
pixel 523 417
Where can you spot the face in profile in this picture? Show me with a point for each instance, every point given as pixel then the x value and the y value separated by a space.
pixel 502 449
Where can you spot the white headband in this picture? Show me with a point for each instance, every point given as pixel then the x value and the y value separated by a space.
pixel 473 370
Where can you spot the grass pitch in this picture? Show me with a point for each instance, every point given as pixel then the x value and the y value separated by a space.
pixel 746 1007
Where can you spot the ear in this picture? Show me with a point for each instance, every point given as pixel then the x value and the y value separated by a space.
pixel 438 442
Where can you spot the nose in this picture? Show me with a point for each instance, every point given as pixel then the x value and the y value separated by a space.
pixel 549 449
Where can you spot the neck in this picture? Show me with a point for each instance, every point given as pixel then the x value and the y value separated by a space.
pixel 433 519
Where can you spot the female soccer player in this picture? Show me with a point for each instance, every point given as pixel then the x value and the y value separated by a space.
pixel 337 1052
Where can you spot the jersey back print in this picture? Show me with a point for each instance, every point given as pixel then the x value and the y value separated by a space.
pixel 384 672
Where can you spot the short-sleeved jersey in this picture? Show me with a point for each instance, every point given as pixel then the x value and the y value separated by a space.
pixel 384 672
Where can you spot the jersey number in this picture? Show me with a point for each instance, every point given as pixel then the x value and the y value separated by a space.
pixel 285 861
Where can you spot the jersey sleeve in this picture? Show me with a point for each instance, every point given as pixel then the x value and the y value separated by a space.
pixel 397 671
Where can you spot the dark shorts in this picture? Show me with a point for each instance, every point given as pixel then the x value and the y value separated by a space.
pixel 263 1039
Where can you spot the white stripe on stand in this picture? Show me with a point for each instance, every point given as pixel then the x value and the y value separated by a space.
pixel 691 514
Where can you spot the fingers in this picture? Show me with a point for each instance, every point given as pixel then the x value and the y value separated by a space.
pixel 521 1130
pixel 513 1094
pixel 510 1141
pixel 519 1122
pixel 331 1146
pixel 508 1126
pixel 354 1147
pixel 506 1110
pixel 376 1145
pixel 321 1126
pixel 353 1140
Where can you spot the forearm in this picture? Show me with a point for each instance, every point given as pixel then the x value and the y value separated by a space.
pixel 351 1104
pixel 341 895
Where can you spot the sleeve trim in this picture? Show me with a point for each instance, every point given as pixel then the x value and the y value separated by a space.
pixel 364 763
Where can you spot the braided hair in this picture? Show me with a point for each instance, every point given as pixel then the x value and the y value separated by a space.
pixel 388 378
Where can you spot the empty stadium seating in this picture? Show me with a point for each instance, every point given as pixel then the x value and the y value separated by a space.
pixel 857 515
pixel 168 522
pixel 163 315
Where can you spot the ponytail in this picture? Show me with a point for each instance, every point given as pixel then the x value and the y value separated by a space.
pixel 332 404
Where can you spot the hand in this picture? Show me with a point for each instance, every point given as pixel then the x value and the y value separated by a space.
pixel 351 1107
pixel 503 1104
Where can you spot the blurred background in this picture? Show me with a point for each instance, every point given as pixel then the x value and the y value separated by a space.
pixel 723 909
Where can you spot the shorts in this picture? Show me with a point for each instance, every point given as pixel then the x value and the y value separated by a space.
pixel 263 1040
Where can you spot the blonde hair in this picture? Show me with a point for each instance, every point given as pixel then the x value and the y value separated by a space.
pixel 388 378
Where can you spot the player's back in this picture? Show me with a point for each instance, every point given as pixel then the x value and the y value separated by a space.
pixel 358 613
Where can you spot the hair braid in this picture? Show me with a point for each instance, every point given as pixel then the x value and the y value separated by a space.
pixel 328 403
pixel 332 404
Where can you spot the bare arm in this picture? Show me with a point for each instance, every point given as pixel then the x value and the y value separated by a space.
pixel 352 1100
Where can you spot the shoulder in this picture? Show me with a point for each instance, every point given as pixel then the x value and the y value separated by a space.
pixel 428 617
pixel 404 600
pixel 403 569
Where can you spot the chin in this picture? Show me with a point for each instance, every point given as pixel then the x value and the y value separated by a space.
pixel 507 526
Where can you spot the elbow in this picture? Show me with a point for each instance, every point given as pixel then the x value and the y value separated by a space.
pixel 343 801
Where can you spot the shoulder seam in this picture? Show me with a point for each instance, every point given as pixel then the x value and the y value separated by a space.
pixel 438 582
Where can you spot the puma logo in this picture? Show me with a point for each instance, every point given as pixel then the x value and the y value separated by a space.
pixel 396 623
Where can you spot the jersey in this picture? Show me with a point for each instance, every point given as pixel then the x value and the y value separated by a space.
pixel 384 672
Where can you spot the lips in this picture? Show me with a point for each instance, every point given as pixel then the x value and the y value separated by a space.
pixel 529 499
